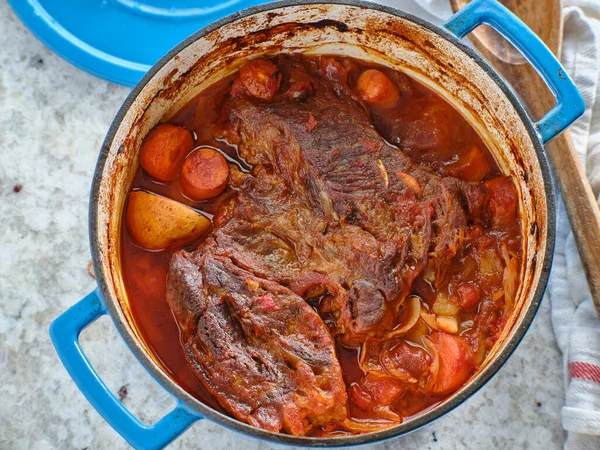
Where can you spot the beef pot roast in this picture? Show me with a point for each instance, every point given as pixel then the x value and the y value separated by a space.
pixel 330 210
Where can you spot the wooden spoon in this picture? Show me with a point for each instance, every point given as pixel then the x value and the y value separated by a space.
pixel 544 18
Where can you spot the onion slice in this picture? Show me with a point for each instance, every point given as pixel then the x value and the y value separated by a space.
pixel 414 308
pixel 369 360
pixel 434 368
pixel 429 319
pixel 368 425
pixel 510 278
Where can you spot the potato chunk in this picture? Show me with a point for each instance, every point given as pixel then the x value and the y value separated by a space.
pixel 158 223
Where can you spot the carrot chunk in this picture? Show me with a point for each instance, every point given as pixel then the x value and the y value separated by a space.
pixel 163 150
pixel 204 174
pixel 374 87
pixel 259 78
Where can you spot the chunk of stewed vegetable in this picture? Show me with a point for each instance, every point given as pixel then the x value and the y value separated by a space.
pixel 158 223
pixel 259 78
pixel 204 174
pixel 374 390
pixel 501 196
pixel 375 88
pixel 333 69
pixel 470 166
pixel 163 150
pixel 455 365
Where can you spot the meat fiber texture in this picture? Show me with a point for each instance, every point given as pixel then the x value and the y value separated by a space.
pixel 331 212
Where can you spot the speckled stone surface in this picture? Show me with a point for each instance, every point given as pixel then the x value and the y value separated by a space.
pixel 53 118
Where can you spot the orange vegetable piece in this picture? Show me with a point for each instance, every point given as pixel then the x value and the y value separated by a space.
pixel 374 87
pixel 158 223
pixel 260 78
pixel 455 364
pixel 204 174
pixel 469 295
pixel 333 70
pixel 163 150
pixel 471 166
pixel 501 196
pixel 375 390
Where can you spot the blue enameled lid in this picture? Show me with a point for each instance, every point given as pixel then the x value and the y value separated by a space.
pixel 119 40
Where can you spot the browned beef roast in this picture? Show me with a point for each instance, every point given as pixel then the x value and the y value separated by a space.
pixel 260 349
pixel 341 201
pixel 330 208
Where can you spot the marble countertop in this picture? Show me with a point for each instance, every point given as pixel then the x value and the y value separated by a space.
pixel 53 118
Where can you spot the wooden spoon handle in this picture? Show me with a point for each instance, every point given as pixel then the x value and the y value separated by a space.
pixel 581 205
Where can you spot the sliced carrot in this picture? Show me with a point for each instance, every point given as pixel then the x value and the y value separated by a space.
pixel 163 150
pixel 204 174
pixel 259 78
pixel 374 87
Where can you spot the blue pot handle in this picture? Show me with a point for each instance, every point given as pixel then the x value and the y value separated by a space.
pixel 64 332
pixel 569 103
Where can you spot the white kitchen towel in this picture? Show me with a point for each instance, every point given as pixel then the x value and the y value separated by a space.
pixel 574 318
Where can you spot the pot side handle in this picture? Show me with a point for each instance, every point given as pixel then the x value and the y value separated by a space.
pixel 64 333
pixel 569 103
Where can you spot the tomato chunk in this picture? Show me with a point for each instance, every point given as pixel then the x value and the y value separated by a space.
pixel 260 78
pixel 374 390
pixel 468 296
pixel 333 69
pixel 454 359
pixel 501 196
pixel 163 150
pixel 374 87
pixel 204 174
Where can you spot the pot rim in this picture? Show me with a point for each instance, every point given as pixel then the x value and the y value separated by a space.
pixel 112 304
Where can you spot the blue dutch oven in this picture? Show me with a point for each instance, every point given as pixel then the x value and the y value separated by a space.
pixel 432 55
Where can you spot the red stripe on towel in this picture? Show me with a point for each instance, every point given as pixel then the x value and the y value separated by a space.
pixel 585 371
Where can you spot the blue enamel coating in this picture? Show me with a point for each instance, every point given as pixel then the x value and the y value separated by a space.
pixel 64 332
pixel 569 103
pixel 119 40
